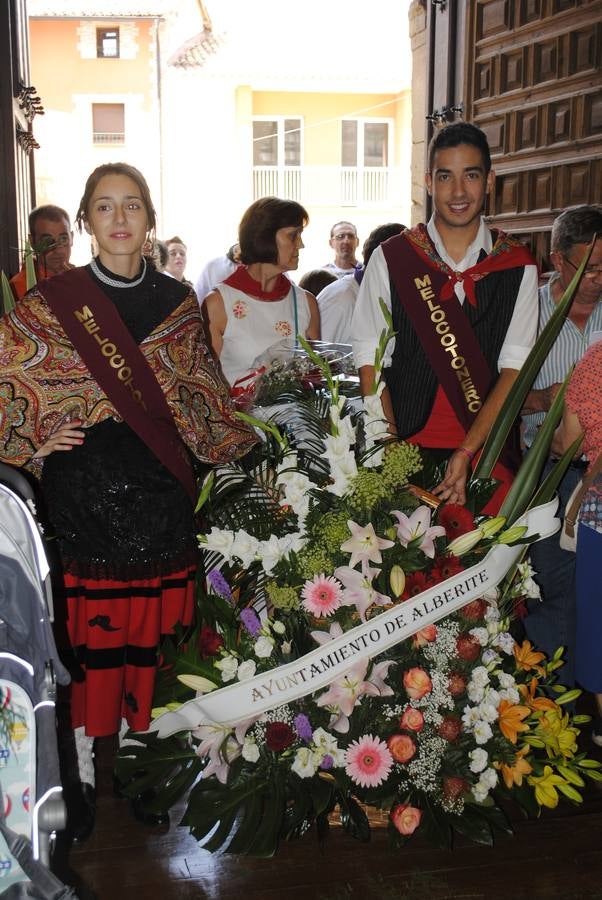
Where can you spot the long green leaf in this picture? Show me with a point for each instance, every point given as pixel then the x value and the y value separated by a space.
pixel 30 269
pixel 8 300
pixel 515 399
pixel 524 485
pixel 549 485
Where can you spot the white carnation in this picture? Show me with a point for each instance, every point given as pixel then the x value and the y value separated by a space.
pixel 478 760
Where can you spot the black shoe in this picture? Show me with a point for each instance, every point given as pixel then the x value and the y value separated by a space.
pixel 141 814
pixel 81 811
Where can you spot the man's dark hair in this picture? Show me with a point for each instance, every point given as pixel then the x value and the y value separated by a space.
pixel 175 240
pixel 47 211
pixel 576 226
pixel 343 222
pixel 377 236
pixel 316 280
pixel 456 134
pixel 259 224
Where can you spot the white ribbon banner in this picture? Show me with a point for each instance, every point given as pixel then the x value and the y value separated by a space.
pixel 319 668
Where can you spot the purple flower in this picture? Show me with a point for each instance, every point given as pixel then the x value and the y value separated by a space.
pixel 250 620
pixel 327 762
pixel 303 727
pixel 219 584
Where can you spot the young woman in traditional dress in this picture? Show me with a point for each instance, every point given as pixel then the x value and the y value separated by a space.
pixel 112 399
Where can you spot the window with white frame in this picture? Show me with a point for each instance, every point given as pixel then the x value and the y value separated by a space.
pixel 277 152
pixel 365 154
pixel 108 123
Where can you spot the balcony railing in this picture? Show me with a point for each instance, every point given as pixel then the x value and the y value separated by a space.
pixel 329 185
pixel 108 137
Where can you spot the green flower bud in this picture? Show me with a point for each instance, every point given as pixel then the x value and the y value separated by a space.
pixel 512 534
pixel 463 544
pixel 492 526
pixel 397 580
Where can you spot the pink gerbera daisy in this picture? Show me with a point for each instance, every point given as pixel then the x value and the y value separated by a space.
pixel 368 761
pixel 322 595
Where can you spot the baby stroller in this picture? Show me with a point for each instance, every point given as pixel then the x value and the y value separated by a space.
pixel 31 802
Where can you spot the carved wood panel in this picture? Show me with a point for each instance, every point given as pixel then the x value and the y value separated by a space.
pixel 532 83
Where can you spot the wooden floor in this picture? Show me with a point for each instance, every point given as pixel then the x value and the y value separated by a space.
pixel 558 857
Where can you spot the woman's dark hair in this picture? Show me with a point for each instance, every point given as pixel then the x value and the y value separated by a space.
pixel 116 169
pixel 259 224
pixel 456 134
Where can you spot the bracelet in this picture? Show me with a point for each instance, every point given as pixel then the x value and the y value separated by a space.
pixel 468 452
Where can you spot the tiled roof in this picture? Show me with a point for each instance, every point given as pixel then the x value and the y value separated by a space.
pixel 195 52
pixel 100 9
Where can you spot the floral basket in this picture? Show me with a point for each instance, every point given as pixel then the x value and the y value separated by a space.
pixel 355 649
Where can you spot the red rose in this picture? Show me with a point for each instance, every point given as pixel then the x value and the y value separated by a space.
pixel 424 636
pixel 412 719
pixel 450 728
pixel 417 683
pixel 279 736
pixel 401 747
pixel 467 647
pixel 454 787
pixel 456 684
pixel 406 818
pixel 455 519
pixel 210 641
pixel 475 610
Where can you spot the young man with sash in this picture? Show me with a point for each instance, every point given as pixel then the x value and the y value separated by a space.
pixel 464 304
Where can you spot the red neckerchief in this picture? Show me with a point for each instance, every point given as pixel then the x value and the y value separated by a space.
pixel 241 280
pixel 506 253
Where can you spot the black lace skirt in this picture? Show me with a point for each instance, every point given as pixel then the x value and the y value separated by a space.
pixel 114 509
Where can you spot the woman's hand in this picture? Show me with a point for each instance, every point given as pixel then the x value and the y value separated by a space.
pixel 64 438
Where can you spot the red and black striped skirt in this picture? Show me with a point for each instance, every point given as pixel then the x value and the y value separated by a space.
pixel 115 629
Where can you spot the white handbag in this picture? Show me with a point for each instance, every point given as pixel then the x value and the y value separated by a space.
pixel 568 533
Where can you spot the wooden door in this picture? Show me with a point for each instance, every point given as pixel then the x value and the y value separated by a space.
pixel 18 106
pixel 530 71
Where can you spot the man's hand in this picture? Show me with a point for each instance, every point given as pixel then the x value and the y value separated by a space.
pixel 453 487
pixel 64 438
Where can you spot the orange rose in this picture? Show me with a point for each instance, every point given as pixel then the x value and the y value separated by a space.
pixel 424 636
pixel 412 719
pixel 401 747
pixel 417 683
pixel 406 818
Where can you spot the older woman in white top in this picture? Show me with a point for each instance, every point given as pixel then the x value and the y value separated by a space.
pixel 258 306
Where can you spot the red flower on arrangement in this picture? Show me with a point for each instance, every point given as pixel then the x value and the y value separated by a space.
pixel 446 567
pixel 475 610
pixel 456 684
pixel 416 583
pixel 401 747
pixel 468 647
pixel 450 728
pixel 412 719
pixel 454 787
pixel 278 736
pixel 425 636
pixel 455 519
pixel 210 641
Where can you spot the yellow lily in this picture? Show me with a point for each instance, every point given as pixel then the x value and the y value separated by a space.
pixel 545 787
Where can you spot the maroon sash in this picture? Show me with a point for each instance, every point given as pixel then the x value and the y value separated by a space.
pixel 96 330
pixel 443 329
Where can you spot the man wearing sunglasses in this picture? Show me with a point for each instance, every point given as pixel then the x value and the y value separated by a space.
pixel 551 623
pixel 51 238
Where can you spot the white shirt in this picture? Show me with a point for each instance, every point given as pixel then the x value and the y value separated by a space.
pixel 368 322
pixel 336 303
pixel 340 273
pixel 216 271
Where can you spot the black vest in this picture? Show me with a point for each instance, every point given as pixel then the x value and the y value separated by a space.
pixel 410 378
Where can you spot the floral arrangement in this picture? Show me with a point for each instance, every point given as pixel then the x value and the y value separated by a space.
pixel 313 544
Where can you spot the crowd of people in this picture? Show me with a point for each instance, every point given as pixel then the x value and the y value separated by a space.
pixel 142 367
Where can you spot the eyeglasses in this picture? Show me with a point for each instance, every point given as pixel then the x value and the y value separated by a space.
pixel 346 236
pixel 588 272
